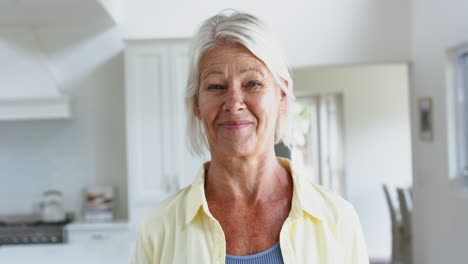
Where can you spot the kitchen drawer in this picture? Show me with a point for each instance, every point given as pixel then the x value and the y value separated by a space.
pixel 98 232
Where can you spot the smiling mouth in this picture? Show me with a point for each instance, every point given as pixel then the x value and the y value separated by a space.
pixel 232 125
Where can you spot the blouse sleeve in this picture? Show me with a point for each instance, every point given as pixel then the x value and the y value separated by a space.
pixel 353 238
pixel 142 253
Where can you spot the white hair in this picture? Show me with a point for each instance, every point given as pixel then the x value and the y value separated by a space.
pixel 233 27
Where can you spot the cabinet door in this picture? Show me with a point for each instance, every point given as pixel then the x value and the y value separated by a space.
pixel 158 160
pixel 176 145
pixel 147 118
pixel 186 165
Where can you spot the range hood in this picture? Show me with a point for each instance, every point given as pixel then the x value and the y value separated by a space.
pixel 30 78
pixel 28 89
pixel 57 107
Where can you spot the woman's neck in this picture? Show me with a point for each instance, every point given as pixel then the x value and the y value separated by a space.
pixel 247 179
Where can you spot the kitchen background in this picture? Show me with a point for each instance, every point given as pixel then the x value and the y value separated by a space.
pixel 380 55
pixel 85 62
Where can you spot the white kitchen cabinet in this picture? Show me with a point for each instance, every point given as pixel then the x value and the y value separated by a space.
pixel 98 233
pixel 158 160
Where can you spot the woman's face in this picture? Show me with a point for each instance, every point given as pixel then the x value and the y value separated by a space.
pixel 239 102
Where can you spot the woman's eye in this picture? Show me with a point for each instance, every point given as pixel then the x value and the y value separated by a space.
pixel 253 84
pixel 214 87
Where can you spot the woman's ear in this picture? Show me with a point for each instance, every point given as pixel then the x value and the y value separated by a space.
pixel 283 99
pixel 196 110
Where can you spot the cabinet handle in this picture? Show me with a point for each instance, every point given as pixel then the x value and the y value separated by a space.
pixel 176 183
pixel 167 184
pixel 98 237
pixel 171 183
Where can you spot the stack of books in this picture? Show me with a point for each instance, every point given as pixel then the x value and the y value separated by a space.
pixel 98 204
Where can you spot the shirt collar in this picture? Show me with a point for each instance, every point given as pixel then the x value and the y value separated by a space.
pixel 196 198
pixel 306 198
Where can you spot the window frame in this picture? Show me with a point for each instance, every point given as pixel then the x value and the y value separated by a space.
pixel 461 89
pixel 457 122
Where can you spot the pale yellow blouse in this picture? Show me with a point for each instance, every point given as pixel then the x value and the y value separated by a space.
pixel 321 228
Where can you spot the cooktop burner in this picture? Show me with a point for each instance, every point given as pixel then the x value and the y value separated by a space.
pixel 29 229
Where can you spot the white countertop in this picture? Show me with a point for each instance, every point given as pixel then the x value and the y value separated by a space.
pixel 115 253
pixel 117 250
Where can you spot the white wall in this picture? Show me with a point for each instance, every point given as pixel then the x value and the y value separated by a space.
pixel 313 32
pixel 441 212
pixel 377 138
pixel 87 62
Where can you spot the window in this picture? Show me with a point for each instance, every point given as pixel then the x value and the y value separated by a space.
pixel 461 82
pixel 318 137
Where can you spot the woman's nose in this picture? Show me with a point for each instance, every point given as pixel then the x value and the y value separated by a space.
pixel 234 99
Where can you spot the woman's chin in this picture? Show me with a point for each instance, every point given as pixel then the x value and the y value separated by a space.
pixel 236 149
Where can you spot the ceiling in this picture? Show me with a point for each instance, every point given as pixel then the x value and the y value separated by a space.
pixel 50 12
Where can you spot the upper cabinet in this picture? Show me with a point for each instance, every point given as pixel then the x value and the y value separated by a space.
pixel 159 163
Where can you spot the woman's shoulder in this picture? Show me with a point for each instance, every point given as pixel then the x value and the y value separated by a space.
pixel 174 210
pixel 329 196
pixel 332 205
pixel 167 211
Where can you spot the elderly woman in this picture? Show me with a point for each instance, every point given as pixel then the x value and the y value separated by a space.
pixel 245 205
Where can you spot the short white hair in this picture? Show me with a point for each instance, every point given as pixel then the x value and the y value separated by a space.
pixel 233 27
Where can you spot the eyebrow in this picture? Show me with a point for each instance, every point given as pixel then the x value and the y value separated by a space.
pixel 251 69
pixel 241 72
pixel 211 72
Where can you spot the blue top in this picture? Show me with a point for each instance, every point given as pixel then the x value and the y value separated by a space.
pixel 269 256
